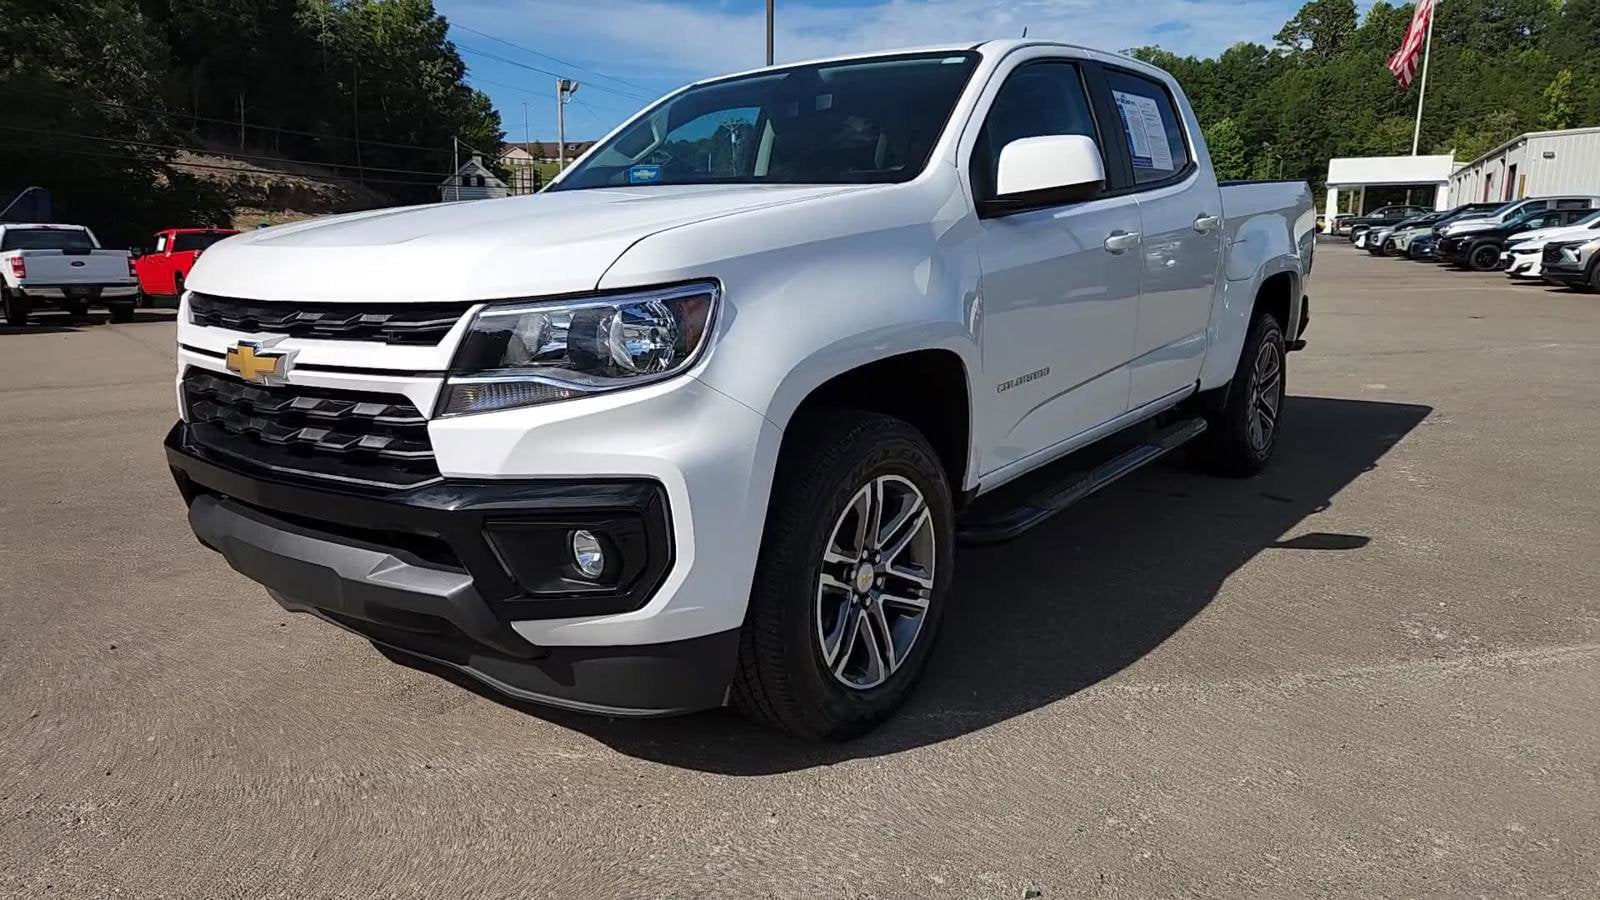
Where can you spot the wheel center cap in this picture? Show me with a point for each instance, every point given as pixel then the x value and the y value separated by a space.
pixel 863 579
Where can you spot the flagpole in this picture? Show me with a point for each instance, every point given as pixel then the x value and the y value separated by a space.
pixel 1422 92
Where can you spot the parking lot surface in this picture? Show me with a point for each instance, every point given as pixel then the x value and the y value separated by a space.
pixel 1373 670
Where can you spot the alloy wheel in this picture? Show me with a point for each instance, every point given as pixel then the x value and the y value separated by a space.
pixel 876 582
pixel 1266 396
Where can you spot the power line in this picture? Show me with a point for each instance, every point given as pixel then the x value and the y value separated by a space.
pixel 223 153
pixel 228 122
pixel 556 59
pixel 242 170
pixel 639 98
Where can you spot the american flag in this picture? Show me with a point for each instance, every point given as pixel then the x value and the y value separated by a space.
pixel 1404 62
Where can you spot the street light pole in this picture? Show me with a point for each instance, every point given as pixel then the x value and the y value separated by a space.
pixel 769 32
pixel 564 92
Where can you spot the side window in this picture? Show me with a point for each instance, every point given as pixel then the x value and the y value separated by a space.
pixel 1037 99
pixel 161 243
pixel 1572 204
pixel 1150 121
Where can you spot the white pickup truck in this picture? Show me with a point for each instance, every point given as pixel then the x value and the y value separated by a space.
pixel 63 266
pixel 704 421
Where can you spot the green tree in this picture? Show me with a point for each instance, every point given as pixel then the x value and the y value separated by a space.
pixel 1320 29
pixel 1227 150
pixel 1558 105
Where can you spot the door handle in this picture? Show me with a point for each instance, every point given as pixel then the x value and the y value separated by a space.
pixel 1205 222
pixel 1121 241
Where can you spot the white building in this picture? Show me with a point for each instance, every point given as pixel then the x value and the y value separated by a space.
pixel 473 181
pixel 1537 164
pixel 1359 184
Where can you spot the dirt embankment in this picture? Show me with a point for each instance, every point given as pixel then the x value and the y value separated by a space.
pixel 277 192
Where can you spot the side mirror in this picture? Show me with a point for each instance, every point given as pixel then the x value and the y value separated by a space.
pixel 1046 171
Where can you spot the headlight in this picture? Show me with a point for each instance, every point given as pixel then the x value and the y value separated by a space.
pixel 529 351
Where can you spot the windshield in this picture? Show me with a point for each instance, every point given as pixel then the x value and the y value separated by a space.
pixel 198 240
pixel 866 121
pixel 46 239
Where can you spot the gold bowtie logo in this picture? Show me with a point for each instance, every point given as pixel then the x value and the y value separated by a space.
pixel 254 365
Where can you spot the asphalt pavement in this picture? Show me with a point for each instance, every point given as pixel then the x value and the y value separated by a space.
pixel 1373 670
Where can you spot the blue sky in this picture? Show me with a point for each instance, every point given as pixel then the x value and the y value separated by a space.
pixel 622 52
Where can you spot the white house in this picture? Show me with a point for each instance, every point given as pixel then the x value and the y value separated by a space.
pixel 1417 180
pixel 473 181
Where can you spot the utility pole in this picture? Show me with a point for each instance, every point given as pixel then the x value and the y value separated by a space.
pixel 455 165
pixel 1416 133
pixel 355 119
pixel 564 91
pixel 769 32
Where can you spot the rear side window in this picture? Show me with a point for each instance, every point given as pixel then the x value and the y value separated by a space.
pixel 46 239
pixel 1149 119
pixel 1038 99
pixel 196 241
pixel 1572 204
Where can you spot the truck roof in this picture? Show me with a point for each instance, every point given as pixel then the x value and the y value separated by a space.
pixel 995 47
pixel 52 225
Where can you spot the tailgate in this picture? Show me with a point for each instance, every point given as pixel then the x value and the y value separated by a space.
pixel 53 267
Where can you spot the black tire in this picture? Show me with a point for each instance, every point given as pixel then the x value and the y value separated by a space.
pixel 1594 277
pixel 1389 248
pixel 1229 446
pixel 782 679
pixel 17 308
pixel 1483 257
pixel 121 310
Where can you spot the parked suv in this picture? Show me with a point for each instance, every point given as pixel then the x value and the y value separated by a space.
pixel 1574 264
pixel 703 421
pixel 1480 249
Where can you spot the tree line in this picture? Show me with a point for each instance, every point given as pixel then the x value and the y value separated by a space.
pixel 102 96
pixel 1498 68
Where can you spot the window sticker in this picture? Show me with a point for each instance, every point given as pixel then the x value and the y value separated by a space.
pixel 1147 134
pixel 644 174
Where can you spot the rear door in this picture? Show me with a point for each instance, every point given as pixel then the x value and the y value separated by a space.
pixel 1060 282
pixel 1180 207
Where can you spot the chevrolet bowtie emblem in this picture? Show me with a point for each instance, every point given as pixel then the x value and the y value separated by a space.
pixel 255 363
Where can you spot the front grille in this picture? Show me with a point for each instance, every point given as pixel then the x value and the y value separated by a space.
pixel 1552 254
pixel 390 323
pixel 353 436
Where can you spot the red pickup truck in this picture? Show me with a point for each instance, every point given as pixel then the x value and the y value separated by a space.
pixel 163 269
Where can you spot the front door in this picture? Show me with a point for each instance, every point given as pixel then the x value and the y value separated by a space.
pixel 1181 260
pixel 1060 284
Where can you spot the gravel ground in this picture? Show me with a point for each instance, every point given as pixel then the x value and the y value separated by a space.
pixel 1373 670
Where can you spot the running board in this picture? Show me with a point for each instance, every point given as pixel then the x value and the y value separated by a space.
pixel 984 526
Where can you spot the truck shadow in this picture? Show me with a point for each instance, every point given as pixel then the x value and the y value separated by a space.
pixel 1072 602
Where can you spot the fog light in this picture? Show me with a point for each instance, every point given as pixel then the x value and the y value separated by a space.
pixel 587 554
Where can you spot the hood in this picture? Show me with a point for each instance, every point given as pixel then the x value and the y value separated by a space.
pixel 1545 235
pixel 1461 226
pixel 557 242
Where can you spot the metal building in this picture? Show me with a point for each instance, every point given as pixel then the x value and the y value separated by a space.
pixel 1536 164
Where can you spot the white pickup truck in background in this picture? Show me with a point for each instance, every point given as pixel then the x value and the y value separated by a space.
pixel 62 266
pixel 704 421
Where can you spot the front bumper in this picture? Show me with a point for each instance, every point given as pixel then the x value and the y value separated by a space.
pixel 447 571
pixel 1521 265
pixel 1568 277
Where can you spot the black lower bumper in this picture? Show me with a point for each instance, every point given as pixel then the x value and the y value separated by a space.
pixel 1565 277
pixel 391 569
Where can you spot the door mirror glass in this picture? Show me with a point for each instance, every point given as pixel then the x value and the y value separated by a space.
pixel 1054 168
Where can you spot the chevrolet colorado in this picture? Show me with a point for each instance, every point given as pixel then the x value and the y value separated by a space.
pixel 703 421
pixel 64 266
